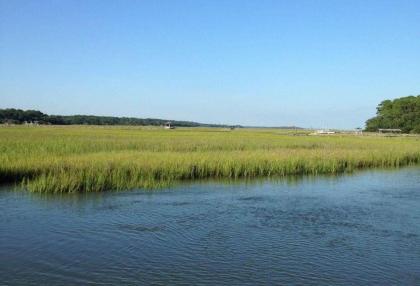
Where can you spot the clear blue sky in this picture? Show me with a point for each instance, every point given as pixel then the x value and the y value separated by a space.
pixel 306 63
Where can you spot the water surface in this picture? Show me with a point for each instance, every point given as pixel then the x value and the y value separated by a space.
pixel 347 230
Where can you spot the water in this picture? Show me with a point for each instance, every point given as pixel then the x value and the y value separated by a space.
pixel 348 230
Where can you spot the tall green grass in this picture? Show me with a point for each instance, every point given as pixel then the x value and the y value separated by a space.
pixel 92 159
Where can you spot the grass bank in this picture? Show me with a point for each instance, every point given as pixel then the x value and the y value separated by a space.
pixel 89 158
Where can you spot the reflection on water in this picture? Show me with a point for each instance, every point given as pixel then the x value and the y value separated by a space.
pixel 359 229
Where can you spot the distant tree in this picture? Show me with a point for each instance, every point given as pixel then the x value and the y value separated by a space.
pixel 18 116
pixel 402 113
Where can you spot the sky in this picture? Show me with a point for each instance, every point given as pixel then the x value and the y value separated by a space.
pixel 320 64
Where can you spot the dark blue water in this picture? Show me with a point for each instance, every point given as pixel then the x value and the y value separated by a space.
pixel 349 230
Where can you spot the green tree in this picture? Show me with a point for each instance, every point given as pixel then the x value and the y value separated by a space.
pixel 402 113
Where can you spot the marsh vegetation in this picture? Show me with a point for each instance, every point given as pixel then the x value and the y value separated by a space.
pixel 92 158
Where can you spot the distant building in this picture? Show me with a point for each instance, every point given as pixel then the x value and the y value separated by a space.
pixel 325 132
pixel 168 125
pixel 358 131
pixel 389 130
pixel 30 123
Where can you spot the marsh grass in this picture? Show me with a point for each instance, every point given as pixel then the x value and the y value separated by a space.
pixel 92 159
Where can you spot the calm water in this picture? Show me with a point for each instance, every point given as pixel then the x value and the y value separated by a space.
pixel 360 229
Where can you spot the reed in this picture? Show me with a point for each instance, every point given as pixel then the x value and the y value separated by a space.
pixel 92 159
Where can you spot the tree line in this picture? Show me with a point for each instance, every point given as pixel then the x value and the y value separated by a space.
pixel 18 116
pixel 401 113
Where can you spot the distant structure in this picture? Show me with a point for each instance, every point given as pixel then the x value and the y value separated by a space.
pixel 168 125
pixel 324 132
pixel 30 123
pixel 389 130
pixel 358 131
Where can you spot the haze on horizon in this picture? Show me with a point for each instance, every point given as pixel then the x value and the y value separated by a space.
pixel 261 63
